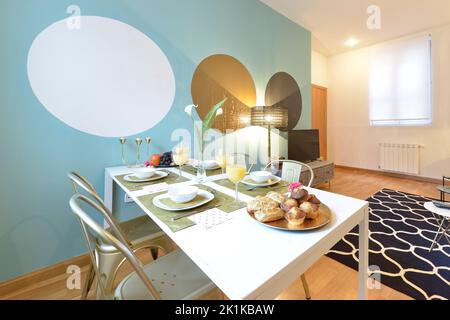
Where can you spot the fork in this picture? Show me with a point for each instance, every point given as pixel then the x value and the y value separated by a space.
pixel 181 216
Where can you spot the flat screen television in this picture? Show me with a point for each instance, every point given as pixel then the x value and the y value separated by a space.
pixel 303 145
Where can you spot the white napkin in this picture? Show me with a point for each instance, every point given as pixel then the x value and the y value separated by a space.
pixel 211 218
pixel 155 188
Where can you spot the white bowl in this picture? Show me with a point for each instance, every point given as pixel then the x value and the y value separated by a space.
pixel 260 176
pixel 182 194
pixel 144 173
pixel 208 164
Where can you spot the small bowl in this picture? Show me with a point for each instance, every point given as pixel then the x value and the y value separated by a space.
pixel 209 164
pixel 260 176
pixel 144 173
pixel 182 194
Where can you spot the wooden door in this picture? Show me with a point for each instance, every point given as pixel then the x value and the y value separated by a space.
pixel 319 116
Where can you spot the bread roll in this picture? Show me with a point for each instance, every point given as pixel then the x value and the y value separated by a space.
pixel 254 205
pixel 299 194
pixel 311 210
pixel 289 204
pixel 296 216
pixel 260 203
pixel 313 199
pixel 269 215
pixel 277 197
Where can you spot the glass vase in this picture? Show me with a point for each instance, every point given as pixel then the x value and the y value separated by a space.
pixel 201 171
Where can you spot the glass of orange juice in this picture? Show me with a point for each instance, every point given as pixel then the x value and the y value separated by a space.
pixel 236 171
pixel 221 160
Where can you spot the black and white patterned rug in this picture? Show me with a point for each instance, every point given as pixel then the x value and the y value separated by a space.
pixel 401 233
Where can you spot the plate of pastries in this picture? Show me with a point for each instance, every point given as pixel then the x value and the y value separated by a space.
pixel 297 210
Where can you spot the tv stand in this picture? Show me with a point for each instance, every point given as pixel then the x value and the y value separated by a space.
pixel 323 172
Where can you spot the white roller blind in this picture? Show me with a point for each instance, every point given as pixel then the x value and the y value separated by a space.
pixel 400 83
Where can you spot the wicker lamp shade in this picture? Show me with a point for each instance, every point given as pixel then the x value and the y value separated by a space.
pixel 275 117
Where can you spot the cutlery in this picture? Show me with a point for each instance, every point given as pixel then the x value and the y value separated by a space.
pixel 181 216
pixel 261 187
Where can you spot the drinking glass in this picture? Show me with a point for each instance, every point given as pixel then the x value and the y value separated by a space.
pixel 236 171
pixel 180 155
pixel 221 160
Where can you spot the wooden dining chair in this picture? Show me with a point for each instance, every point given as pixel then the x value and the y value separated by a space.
pixel 138 233
pixel 173 276
pixel 291 171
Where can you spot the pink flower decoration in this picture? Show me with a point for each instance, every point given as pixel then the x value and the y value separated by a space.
pixel 147 163
pixel 294 185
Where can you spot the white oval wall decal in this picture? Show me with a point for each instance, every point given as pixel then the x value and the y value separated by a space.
pixel 106 78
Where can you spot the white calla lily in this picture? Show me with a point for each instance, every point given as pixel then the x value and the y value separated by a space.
pixel 219 112
pixel 189 109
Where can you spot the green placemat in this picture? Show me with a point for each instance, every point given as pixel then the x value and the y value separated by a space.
pixel 224 201
pixel 136 186
pixel 193 171
pixel 281 187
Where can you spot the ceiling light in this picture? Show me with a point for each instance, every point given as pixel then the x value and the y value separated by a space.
pixel 351 42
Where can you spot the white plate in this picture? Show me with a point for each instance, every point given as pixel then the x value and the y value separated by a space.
pixel 274 179
pixel 156 201
pixel 157 176
pixel 208 169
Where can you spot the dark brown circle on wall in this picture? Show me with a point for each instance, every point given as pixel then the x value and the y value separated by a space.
pixel 222 76
pixel 283 91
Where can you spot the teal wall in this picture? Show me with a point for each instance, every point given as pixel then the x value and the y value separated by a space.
pixel 37 150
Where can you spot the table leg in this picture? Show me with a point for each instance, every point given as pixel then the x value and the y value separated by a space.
pixel 108 196
pixel 363 255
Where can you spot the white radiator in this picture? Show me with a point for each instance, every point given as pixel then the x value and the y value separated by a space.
pixel 401 158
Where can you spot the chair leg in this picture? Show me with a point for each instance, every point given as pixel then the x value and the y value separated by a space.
pixel 88 283
pixel 154 253
pixel 437 234
pixel 305 287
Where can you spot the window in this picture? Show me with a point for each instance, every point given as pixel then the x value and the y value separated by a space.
pixel 400 83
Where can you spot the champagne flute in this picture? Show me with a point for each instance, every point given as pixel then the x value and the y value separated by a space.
pixel 236 171
pixel 221 160
pixel 123 141
pixel 138 146
pixel 180 155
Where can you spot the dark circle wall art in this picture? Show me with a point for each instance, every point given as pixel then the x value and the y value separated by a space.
pixel 220 76
pixel 283 91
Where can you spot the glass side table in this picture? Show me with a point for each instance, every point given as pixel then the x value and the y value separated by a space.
pixel 445 188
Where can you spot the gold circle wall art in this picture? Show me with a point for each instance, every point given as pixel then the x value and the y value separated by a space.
pixel 283 91
pixel 222 76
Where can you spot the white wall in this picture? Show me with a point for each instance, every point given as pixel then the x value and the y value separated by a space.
pixel 353 142
pixel 319 69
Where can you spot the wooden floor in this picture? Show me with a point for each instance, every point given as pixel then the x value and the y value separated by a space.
pixel 327 278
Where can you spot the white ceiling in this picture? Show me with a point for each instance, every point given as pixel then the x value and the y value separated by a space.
pixel 333 22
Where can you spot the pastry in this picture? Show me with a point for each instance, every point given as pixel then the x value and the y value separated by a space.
pixel 313 199
pixel 254 205
pixel 289 204
pixel 275 196
pixel 311 210
pixel 299 194
pixel 296 216
pixel 260 203
pixel 269 215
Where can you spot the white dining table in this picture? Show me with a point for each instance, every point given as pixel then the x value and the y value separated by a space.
pixel 247 260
